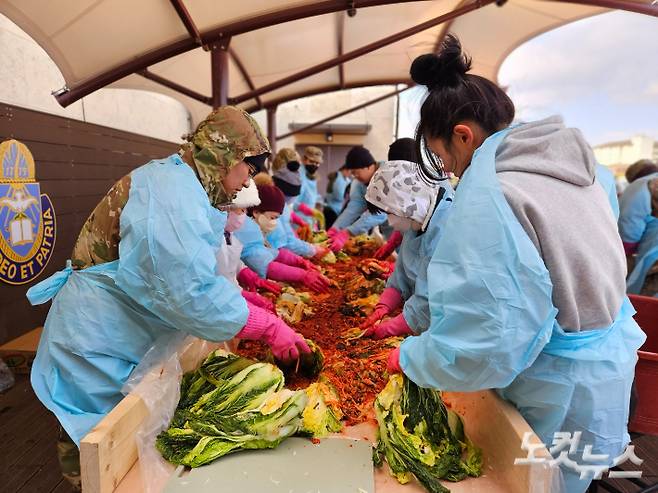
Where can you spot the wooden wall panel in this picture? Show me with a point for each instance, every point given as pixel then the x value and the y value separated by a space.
pixel 76 164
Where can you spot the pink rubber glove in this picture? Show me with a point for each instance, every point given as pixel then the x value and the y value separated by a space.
pixel 337 242
pixel 311 279
pixel 258 300
pixel 251 281
pixel 332 232
pixel 316 281
pixel 296 220
pixel 320 252
pixel 285 343
pixel 397 326
pixel 393 361
pixel 285 256
pixel 389 247
pixel 389 301
pixel 304 209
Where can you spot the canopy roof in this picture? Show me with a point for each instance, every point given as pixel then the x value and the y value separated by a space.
pixel 168 47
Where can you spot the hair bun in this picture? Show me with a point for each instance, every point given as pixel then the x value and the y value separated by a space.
pixel 447 68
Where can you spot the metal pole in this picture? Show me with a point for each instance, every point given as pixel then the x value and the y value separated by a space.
pixel 219 71
pixel 397 116
pixel 271 129
pixel 343 113
pixel 147 74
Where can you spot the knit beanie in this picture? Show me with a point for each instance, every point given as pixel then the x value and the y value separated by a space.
pixel 271 200
pixel 359 157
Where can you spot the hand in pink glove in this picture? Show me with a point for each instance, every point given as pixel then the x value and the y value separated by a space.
pixel 320 252
pixel 389 247
pixel 251 281
pixel 397 326
pixel 296 220
pixel 285 256
pixel 337 242
pixel 258 300
pixel 304 209
pixel 331 232
pixel 285 343
pixel 311 279
pixel 316 281
pixel 389 301
pixel 393 361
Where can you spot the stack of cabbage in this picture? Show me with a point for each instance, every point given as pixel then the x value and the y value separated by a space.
pixel 418 435
pixel 232 403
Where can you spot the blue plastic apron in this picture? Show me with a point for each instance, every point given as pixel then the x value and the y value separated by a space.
pixel 494 326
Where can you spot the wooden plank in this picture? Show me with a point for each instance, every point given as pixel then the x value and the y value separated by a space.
pixel 109 451
pixel 63 487
pixel 48 474
pixel 76 188
pixel 502 433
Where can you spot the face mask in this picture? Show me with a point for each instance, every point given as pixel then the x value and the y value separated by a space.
pixel 266 224
pixel 234 222
pixel 311 169
pixel 293 166
pixel 402 224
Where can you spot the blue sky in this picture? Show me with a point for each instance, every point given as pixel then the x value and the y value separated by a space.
pixel 600 74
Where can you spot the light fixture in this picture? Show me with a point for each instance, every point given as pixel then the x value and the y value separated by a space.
pixel 329 136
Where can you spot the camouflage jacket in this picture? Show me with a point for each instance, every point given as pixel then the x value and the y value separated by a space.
pixel 98 241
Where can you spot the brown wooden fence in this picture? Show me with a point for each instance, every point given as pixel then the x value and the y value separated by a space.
pixel 76 164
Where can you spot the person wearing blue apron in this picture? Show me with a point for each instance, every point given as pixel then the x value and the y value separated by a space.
pixel 526 285
pixel 308 200
pixel 638 227
pixel 356 219
pixel 418 210
pixel 337 183
pixel 145 270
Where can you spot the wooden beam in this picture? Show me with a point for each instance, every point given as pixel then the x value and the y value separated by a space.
pixel 364 50
pixel 245 74
pixel 340 37
pixel 75 92
pixel 219 74
pixel 174 86
pixel 343 113
pixel 187 20
pixel 327 89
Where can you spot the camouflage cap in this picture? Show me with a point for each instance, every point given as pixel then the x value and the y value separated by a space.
pixel 314 154
pixel 227 136
pixel 283 157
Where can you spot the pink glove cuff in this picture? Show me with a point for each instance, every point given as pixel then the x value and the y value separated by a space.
pixel 248 278
pixel 285 256
pixel 304 209
pixel 394 240
pixel 391 299
pixel 257 323
pixel 296 220
pixel 283 272
pixel 401 326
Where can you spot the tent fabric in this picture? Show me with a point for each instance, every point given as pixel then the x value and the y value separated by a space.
pixel 88 38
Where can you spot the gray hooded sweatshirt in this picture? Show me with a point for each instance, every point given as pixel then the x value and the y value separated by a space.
pixel 547 174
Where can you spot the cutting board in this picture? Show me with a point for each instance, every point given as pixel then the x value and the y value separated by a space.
pixel 335 465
